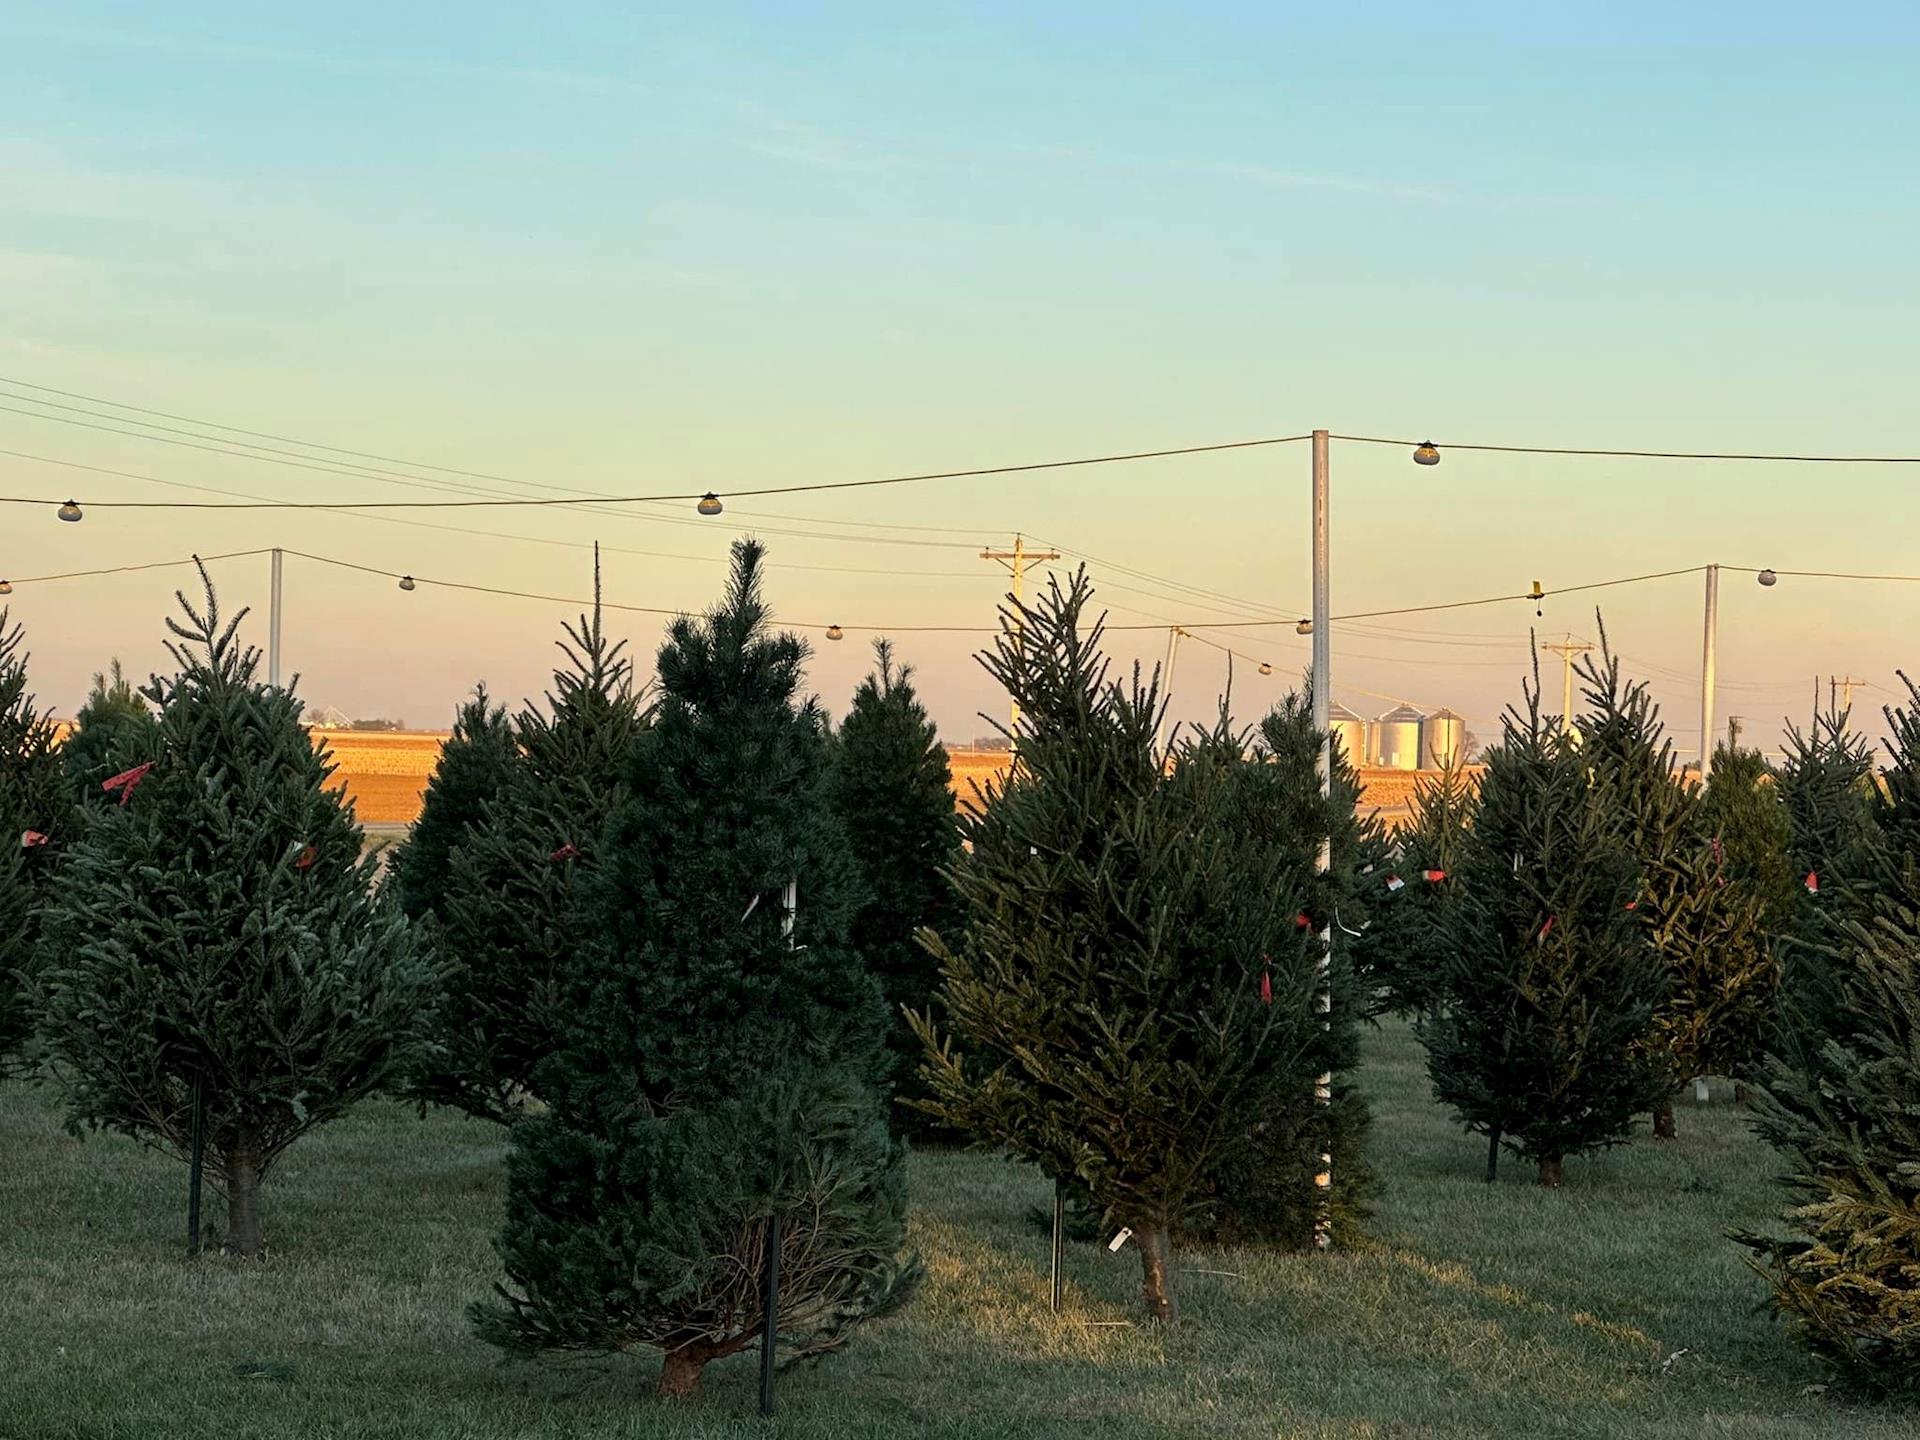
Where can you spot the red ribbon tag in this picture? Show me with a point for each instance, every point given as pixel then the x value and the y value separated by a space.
pixel 1813 881
pixel 31 838
pixel 1546 929
pixel 1301 922
pixel 1434 877
pixel 126 781
pixel 1266 987
pixel 1633 904
pixel 568 851
pixel 307 856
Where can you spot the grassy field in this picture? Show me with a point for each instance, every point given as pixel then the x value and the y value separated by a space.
pixel 1613 1308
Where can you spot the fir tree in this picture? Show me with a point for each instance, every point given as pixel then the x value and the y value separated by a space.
pixel 720 1049
pixel 1131 979
pixel 515 916
pixel 1407 944
pixel 893 793
pixel 1706 925
pixel 110 734
pixel 1743 810
pixel 37 821
pixel 217 928
pixel 473 769
pixel 1551 987
pixel 1849 1124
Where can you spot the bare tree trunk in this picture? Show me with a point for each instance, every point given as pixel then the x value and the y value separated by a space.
pixel 1551 1171
pixel 1663 1126
pixel 243 1199
pixel 1493 1154
pixel 1156 1285
pixel 680 1368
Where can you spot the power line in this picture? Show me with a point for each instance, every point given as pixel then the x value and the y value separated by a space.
pixel 1444 446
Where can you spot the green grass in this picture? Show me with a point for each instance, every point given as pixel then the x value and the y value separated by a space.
pixel 1476 1311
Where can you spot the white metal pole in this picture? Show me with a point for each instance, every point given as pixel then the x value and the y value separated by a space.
pixel 1174 632
pixel 1709 645
pixel 1322 702
pixel 273 622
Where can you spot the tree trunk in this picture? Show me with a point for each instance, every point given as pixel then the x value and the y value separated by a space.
pixel 243 1201
pixel 1156 1286
pixel 680 1368
pixel 1551 1171
pixel 1493 1154
pixel 1663 1126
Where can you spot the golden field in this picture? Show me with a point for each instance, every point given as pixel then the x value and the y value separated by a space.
pixel 385 773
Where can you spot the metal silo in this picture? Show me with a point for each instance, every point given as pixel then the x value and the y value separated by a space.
pixel 1396 738
pixel 1350 730
pixel 1443 740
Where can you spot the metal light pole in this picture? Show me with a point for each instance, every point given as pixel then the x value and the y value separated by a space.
pixel 1322 701
pixel 1708 658
pixel 273 622
pixel 1174 632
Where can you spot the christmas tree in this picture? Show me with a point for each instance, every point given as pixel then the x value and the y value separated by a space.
pixel 1406 947
pixel 216 933
pixel 893 793
pixel 37 820
pixel 1744 812
pixel 1551 986
pixel 473 769
pixel 515 914
pixel 1706 925
pixel 110 734
pixel 716 1079
pixel 1132 976
pixel 1849 1125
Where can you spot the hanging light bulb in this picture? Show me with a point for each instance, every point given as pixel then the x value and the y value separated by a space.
pixel 6 587
pixel 1767 577
pixel 69 511
pixel 834 632
pixel 1426 453
pixel 709 504
pixel 1537 595
pixel 1265 668
pixel 406 582
pixel 1304 627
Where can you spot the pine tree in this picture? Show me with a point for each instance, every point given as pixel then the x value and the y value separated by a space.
pixel 474 767
pixel 1706 925
pixel 110 734
pixel 720 1050
pixel 218 929
pixel 1743 810
pixel 1132 978
pixel 1551 987
pixel 1406 947
pixel 893 793
pixel 1849 1124
pixel 516 915
pixel 37 821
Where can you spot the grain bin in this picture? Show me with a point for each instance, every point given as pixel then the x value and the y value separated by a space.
pixel 1443 740
pixel 1350 730
pixel 1396 738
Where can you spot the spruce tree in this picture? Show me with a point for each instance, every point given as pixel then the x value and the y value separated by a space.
pixel 1132 987
pixel 37 822
pixel 1706 925
pixel 109 735
pixel 717 1075
pixel 473 769
pixel 217 930
pixel 893 793
pixel 1744 812
pixel 515 915
pixel 1408 942
pixel 1551 987
pixel 1849 1126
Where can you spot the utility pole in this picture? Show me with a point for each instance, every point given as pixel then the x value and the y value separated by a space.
pixel 1174 632
pixel 1847 684
pixel 1016 560
pixel 1708 657
pixel 273 621
pixel 1566 650
pixel 1322 699
pixel 1733 732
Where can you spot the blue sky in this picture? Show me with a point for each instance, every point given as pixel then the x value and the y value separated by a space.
pixel 769 244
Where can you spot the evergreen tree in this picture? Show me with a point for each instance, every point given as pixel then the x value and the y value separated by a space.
pixel 37 821
pixel 1407 944
pixel 893 793
pixel 515 915
pixel 1132 978
pixel 110 734
pixel 1706 925
pixel 1743 810
pixel 720 1050
pixel 218 929
pixel 1551 986
pixel 1849 1124
pixel 473 768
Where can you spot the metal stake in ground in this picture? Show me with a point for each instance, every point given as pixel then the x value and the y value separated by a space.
pixel 1059 1278
pixel 196 1154
pixel 770 1301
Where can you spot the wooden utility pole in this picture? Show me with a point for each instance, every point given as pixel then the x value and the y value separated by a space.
pixel 1017 560
pixel 1733 732
pixel 1846 684
pixel 1566 650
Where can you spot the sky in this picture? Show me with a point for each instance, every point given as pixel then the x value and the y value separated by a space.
pixel 738 246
